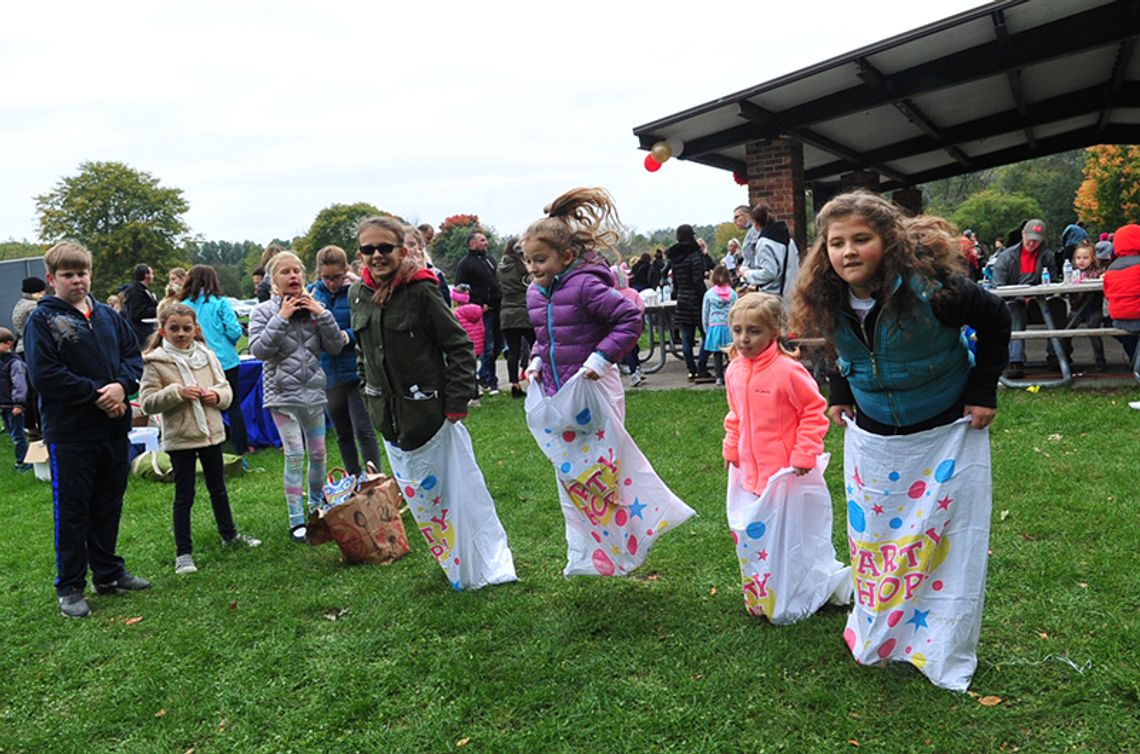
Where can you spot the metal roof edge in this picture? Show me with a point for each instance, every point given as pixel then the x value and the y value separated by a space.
pixel 848 57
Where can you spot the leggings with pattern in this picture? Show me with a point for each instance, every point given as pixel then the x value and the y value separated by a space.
pixel 301 428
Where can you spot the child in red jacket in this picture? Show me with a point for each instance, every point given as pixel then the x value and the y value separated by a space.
pixel 776 414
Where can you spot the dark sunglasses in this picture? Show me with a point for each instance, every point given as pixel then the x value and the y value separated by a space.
pixel 383 248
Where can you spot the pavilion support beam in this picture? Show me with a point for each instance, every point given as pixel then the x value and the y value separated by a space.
pixel 1124 55
pixel 776 176
pixel 910 199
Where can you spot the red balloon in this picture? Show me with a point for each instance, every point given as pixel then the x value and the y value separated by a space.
pixel 651 164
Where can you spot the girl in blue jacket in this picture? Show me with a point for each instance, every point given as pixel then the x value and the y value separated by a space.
pixel 342 377
pixel 890 294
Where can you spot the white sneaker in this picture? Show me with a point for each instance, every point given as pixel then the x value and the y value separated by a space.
pixel 241 540
pixel 1135 405
pixel 636 378
pixel 184 564
pixel 474 403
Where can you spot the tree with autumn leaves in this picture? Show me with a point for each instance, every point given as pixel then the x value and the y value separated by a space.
pixel 1110 194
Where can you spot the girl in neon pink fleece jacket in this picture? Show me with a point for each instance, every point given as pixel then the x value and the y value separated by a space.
pixel 775 411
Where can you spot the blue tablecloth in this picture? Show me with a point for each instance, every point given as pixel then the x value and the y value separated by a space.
pixel 258 420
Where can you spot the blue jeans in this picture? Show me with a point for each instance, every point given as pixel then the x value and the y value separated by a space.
pixel 1019 316
pixel 14 426
pixel 492 346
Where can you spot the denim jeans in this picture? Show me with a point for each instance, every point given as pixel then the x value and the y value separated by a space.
pixel 1019 316
pixel 14 426
pixel 492 346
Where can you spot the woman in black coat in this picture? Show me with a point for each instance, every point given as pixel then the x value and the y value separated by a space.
pixel 688 267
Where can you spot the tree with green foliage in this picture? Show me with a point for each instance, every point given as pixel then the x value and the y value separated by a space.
pixel 1109 197
pixel 335 225
pixel 992 214
pixel 450 243
pixel 1053 181
pixel 121 215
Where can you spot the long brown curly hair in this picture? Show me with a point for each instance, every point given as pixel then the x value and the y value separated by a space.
pixel 583 220
pixel 925 245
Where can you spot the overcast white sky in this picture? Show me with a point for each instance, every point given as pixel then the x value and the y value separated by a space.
pixel 264 113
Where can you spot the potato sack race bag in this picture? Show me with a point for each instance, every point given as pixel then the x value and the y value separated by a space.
pixel 448 497
pixel 614 503
pixel 918 527
pixel 366 527
pixel 783 543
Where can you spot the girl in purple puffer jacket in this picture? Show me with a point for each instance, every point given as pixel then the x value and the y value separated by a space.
pixel 581 321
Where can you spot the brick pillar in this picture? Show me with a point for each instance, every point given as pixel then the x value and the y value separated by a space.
pixel 860 179
pixel 910 199
pixel 776 176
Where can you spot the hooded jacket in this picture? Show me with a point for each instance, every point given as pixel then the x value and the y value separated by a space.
pixel 220 327
pixel 688 267
pixel 775 417
pixel 579 314
pixel 159 393
pixel 416 361
pixel 1122 278
pixel 776 261
pixel 70 357
pixel 289 349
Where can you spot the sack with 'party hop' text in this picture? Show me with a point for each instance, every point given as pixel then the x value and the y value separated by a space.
pixel 918 527
pixel 448 497
pixel 614 503
pixel 783 545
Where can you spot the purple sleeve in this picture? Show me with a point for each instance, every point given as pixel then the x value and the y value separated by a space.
pixel 625 323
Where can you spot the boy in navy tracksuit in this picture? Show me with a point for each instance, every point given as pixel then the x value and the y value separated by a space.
pixel 83 360
pixel 13 396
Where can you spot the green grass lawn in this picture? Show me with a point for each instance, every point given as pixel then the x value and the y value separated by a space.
pixel 244 656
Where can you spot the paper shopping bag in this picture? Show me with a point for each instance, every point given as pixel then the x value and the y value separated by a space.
pixel 614 504
pixel 367 527
pixel 783 543
pixel 448 497
pixel 918 527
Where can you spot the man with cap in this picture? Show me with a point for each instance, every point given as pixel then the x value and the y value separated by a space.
pixel 1021 264
pixel 31 291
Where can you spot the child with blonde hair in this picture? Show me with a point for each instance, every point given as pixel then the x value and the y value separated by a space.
pixel 288 332
pixel 1088 308
pixel 183 380
pixel 775 410
pixel 718 301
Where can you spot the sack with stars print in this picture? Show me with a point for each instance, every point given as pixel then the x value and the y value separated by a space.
pixel 783 545
pixel 614 504
pixel 918 527
pixel 446 493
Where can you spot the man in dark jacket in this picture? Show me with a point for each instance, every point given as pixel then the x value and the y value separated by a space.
pixel 140 305
pixel 477 271
pixel 1021 264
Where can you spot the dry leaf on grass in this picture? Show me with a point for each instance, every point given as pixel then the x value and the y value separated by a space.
pixel 1003 515
pixel 463 742
pixel 1055 437
pixel 712 592
pixel 1043 635
pixel 853 742
pixel 161 713
pixel 990 701
pixel 133 621
pixel 338 614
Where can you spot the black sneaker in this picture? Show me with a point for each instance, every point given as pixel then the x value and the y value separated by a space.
pixel 73 605
pixel 1016 370
pixel 517 392
pixel 128 582
pixel 299 534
